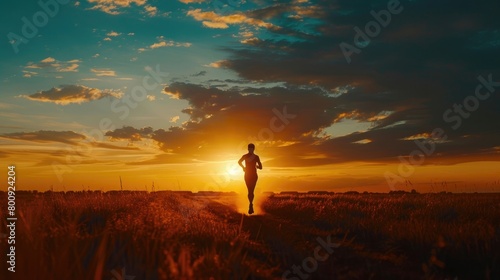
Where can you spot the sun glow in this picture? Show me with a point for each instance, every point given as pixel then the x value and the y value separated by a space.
pixel 233 170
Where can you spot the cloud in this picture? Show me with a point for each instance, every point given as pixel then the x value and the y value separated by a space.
pixel 169 44
pixel 113 147
pixel 246 34
pixel 130 133
pixel 114 7
pixel 219 25
pixel 192 1
pixel 213 20
pixel 220 119
pixel 417 89
pixel 66 137
pixel 174 119
pixel 48 60
pixel 251 41
pixel 103 72
pixel 223 119
pixel 199 74
pixel 216 64
pixel 162 42
pixel 113 34
pixel 151 10
pixel 70 68
pixel 67 94
pixel 7 105
pixel 29 74
pixel 288 19
pixel 50 64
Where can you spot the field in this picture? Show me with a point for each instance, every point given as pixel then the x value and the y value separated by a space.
pixel 169 235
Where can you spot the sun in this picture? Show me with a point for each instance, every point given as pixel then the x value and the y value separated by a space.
pixel 233 170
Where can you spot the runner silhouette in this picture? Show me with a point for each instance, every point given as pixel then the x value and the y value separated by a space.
pixel 252 162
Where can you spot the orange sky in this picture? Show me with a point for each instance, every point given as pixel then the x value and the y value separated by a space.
pixel 98 168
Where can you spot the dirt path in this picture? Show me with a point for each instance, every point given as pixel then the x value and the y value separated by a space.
pixel 290 248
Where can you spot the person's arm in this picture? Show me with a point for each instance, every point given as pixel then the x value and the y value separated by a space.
pixel 259 164
pixel 240 161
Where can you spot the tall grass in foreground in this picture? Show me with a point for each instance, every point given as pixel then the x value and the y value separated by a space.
pixel 449 234
pixel 93 235
pixel 105 236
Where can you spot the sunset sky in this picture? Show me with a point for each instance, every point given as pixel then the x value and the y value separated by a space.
pixel 171 92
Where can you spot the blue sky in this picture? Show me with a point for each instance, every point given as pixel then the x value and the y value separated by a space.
pixel 96 40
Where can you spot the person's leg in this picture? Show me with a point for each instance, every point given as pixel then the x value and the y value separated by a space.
pixel 250 193
pixel 251 181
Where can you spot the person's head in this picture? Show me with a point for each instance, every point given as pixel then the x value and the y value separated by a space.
pixel 251 148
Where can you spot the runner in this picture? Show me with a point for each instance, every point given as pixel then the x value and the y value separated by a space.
pixel 252 162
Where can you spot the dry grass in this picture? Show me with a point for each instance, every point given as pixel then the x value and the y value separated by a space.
pixel 154 236
pixel 92 235
pixel 448 234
